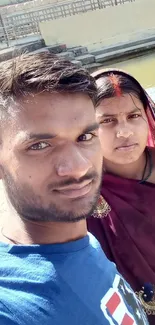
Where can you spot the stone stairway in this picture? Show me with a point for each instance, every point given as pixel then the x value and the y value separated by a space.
pixel 80 54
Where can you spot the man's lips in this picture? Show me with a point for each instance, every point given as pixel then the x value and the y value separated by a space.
pixel 75 190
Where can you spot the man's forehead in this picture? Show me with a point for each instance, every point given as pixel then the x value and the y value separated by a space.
pixel 55 105
pixel 42 114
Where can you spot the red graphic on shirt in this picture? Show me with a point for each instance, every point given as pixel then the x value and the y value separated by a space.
pixel 120 305
pixel 113 303
pixel 127 320
pixel 112 306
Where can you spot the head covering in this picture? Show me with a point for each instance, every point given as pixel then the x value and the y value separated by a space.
pixel 127 233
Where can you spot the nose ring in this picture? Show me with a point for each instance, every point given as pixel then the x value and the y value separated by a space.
pixel 121 134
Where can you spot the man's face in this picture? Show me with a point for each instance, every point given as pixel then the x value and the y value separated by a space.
pixel 51 160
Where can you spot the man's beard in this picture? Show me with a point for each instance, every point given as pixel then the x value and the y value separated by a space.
pixel 30 207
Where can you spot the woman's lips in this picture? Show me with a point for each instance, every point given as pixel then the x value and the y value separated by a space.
pixel 129 147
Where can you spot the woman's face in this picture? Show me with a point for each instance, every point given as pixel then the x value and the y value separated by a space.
pixel 123 128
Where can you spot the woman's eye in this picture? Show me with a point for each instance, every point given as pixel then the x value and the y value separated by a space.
pixel 39 146
pixel 134 116
pixel 85 137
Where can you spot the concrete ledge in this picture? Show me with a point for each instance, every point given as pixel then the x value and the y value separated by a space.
pixel 58 48
pixel 43 50
pixel 86 59
pixel 124 52
pixel 66 55
pixel 9 53
pixel 78 63
pixel 80 50
pixel 29 47
pixel 122 46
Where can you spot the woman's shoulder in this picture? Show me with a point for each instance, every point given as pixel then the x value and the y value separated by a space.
pixel 152 150
pixel 152 177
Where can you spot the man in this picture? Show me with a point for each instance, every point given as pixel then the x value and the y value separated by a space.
pixel 51 271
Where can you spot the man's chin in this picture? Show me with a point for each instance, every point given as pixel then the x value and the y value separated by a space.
pixel 72 218
pixel 78 212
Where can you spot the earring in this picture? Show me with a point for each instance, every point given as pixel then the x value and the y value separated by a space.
pixel 102 208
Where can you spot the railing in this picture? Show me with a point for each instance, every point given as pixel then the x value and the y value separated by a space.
pixel 15 26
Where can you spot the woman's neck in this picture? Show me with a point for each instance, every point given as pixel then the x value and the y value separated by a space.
pixel 131 171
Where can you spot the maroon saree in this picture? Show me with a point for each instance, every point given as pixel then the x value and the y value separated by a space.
pixel 127 233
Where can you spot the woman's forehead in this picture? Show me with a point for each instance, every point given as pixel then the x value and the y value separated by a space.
pixel 122 104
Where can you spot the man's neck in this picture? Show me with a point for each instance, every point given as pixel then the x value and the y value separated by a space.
pixel 15 230
pixel 132 171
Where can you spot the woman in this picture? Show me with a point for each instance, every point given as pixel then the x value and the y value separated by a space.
pixel 127 134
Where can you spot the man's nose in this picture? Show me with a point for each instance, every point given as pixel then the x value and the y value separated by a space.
pixel 73 163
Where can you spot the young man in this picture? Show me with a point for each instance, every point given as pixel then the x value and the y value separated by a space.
pixel 51 270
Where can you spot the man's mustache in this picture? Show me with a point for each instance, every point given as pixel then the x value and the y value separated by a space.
pixel 72 181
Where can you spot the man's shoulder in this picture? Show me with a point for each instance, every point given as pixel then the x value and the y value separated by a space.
pixel 97 249
pixel 6 316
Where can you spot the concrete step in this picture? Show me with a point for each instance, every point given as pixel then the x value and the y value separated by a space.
pixel 86 58
pixel 77 63
pixel 31 46
pixel 66 55
pixel 57 48
pixel 123 45
pixel 79 50
pixel 43 50
pixel 123 52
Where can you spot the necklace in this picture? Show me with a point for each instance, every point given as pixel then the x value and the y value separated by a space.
pixel 147 163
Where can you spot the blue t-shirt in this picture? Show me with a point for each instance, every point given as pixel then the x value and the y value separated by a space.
pixel 64 284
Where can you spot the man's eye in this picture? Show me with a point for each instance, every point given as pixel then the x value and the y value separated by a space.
pixel 39 146
pixel 85 137
pixel 107 120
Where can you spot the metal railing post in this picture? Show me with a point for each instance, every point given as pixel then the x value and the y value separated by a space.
pixel 4 30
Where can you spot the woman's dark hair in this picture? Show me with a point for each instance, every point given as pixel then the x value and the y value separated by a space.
pixel 115 83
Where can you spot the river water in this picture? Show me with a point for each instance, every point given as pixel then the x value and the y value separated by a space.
pixel 142 68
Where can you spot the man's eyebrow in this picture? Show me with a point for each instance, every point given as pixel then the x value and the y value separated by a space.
pixel 38 136
pixel 137 109
pixel 48 136
pixel 90 128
